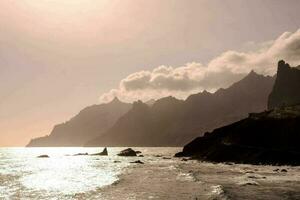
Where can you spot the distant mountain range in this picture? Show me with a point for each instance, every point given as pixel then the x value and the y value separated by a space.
pixel 89 123
pixel 269 137
pixel 165 122
pixel 173 122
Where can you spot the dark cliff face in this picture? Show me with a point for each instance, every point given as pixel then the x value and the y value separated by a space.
pixel 271 137
pixel 286 89
pixel 89 123
pixel 172 122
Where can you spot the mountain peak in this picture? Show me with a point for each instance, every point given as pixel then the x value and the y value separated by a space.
pixel 115 101
pixel 286 87
pixel 252 74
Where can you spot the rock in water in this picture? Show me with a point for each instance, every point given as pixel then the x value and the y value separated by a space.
pixel 81 154
pixel 103 153
pixel 127 152
pixel 43 156
pixel 137 162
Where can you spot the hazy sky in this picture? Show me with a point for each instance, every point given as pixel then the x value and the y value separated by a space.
pixel 58 56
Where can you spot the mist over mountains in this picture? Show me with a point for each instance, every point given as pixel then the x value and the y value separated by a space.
pixel 173 122
pixel 87 124
pixel 165 122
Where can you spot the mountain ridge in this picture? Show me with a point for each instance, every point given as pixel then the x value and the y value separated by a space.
pixel 173 122
pixel 87 124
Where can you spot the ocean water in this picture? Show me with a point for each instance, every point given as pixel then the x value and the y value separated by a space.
pixel 61 176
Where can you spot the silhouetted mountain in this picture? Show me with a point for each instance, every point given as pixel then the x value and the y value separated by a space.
pixel 286 89
pixel 172 122
pixel 271 137
pixel 89 123
pixel 150 102
pixel 143 125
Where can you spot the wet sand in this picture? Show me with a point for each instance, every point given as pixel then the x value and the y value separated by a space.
pixel 177 179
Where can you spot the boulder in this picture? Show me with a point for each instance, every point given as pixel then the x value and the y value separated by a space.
pixel 127 152
pixel 43 156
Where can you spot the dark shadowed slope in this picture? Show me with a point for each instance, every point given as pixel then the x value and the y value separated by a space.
pixel 172 122
pixel 286 89
pixel 89 123
pixel 270 137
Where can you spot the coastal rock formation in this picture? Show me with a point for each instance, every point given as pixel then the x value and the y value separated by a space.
pixel 286 89
pixel 103 153
pixel 173 122
pixel 127 152
pixel 89 123
pixel 43 156
pixel 271 137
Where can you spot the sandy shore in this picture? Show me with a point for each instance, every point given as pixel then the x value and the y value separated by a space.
pixel 176 179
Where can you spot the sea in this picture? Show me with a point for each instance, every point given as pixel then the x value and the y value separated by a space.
pixel 67 175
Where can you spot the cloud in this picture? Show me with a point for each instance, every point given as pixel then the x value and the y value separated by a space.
pixel 221 71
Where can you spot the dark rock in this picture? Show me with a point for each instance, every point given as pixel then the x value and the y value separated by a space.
pixel 250 183
pixel 283 170
pixel 166 158
pixel 43 156
pixel 184 159
pixel 286 88
pixel 140 156
pixel 103 153
pixel 81 154
pixel 253 177
pixel 127 152
pixel 137 152
pixel 275 170
pixel 272 138
pixel 137 162
pixel 117 161
pixel 228 163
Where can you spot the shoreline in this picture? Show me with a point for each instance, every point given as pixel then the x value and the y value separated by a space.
pixel 177 179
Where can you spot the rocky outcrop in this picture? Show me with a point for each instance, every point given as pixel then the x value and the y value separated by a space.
pixel 43 156
pixel 271 137
pixel 286 89
pixel 127 152
pixel 173 122
pixel 89 123
pixel 103 153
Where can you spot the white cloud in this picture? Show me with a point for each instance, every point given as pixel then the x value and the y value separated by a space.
pixel 221 71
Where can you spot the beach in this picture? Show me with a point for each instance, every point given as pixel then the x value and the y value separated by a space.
pixel 160 177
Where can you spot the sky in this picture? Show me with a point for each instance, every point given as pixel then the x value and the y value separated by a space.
pixel 59 56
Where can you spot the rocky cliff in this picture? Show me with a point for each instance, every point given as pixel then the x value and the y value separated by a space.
pixel 286 89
